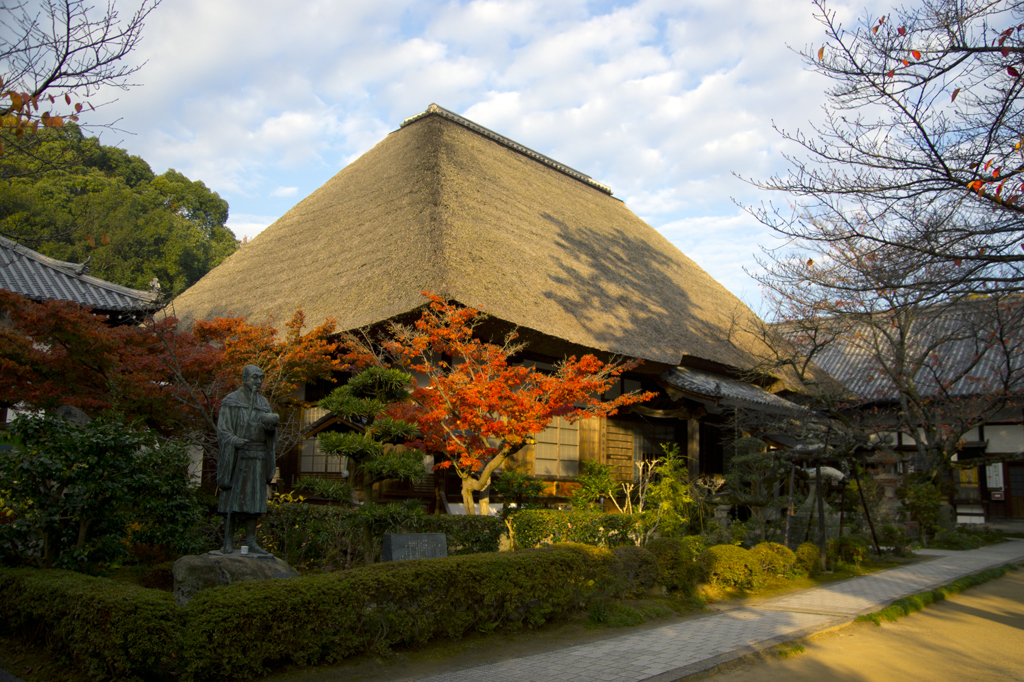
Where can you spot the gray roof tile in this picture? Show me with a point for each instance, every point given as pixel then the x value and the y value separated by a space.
pixel 40 278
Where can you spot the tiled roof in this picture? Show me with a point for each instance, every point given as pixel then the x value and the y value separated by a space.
pixel 727 392
pixel 41 278
pixel 962 342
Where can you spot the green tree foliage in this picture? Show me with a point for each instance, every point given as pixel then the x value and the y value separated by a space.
pixel 112 210
pixel 672 492
pixel 375 444
pixel 517 487
pixel 754 473
pixel 596 481
pixel 77 495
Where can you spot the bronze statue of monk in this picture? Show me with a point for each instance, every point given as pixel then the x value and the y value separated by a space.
pixel 247 436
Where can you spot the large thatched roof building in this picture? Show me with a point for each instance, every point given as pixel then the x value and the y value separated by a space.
pixel 447 206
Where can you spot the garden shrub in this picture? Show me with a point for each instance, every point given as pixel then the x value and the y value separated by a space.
pixel 106 629
pixel 637 569
pixel 239 630
pixel 319 537
pixel 849 549
pixel 730 566
pixel 895 538
pixel 111 630
pixel 677 561
pixel 808 558
pixel 124 486
pixel 533 527
pixel 773 558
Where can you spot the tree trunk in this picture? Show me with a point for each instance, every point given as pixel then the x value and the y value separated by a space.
pixel 367 544
pixel 821 518
pixel 83 529
pixel 467 496
pixel 789 506
pixel 470 484
pixel 485 500
pixel 867 512
pixel 367 531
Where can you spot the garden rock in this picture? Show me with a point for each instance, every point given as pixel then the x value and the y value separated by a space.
pixel 195 573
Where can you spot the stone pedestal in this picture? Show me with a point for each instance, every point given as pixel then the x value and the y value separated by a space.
pixel 194 573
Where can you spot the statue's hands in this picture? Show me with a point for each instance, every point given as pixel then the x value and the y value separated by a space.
pixel 270 420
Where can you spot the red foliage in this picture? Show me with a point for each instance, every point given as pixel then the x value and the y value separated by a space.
pixel 474 405
pixel 56 353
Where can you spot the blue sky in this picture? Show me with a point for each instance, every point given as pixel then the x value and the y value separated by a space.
pixel 662 101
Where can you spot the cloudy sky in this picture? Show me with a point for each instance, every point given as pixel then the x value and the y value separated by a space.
pixel 662 100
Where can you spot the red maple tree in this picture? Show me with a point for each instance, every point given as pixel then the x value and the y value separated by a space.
pixel 474 404
pixel 59 353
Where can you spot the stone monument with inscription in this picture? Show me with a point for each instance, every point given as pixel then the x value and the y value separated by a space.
pixel 406 546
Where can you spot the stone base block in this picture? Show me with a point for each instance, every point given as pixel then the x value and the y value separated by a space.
pixel 194 573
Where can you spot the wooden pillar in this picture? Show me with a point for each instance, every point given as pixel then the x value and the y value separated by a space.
pixel 693 447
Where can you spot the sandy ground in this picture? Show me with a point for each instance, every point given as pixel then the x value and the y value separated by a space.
pixel 975 635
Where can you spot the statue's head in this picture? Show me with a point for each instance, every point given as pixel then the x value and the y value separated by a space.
pixel 252 377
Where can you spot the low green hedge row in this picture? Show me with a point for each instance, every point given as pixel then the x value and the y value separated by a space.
pixel 325 537
pixel 533 527
pixel 108 630
pixel 114 631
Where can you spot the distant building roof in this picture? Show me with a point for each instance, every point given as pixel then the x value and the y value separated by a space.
pixel 972 347
pixel 42 278
pixel 725 392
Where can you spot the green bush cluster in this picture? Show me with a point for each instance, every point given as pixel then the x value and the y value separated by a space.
pixel 677 561
pixel 773 558
pixel 637 569
pixel 730 566
pixel 319 537
pixel 849 549
pixel 82 496
pixel 533 527
pixel 114 631
pixel 808 558
pixel 108 630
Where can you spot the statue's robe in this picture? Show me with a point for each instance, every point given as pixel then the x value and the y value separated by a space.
pixel 246 462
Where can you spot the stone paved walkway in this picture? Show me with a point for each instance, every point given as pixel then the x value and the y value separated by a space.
pixel 675 651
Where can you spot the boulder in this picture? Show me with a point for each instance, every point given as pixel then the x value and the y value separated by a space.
pixel 199 572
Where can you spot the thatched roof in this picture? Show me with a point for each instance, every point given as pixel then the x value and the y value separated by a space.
pixel 445 206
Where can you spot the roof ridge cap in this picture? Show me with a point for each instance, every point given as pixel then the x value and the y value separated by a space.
pixel 436 110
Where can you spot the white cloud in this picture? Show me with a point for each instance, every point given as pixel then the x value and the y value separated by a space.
pixel 248 226
pixel 661 100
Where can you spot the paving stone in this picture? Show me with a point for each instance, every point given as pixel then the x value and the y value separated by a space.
pixel 679 649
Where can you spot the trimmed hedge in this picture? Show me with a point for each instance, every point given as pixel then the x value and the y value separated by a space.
pixel 637 569
pixel 114 631
pixel 730 566
pixel 773 558
pixel 677 561
pixel 322 537
pixel 808 558
pixel 107 629
pixel 533 527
